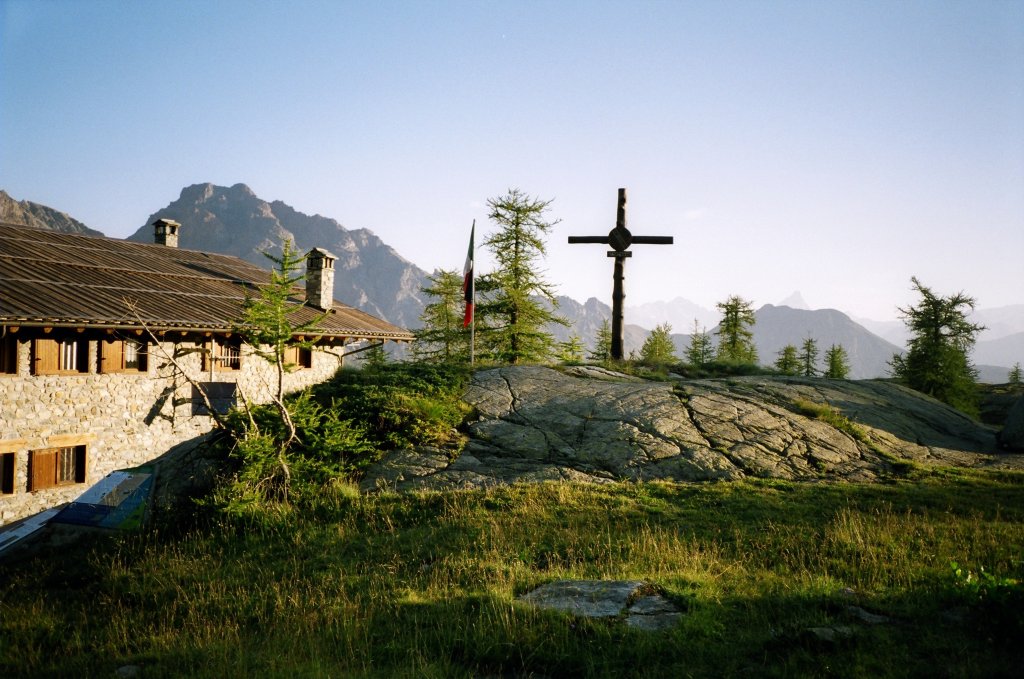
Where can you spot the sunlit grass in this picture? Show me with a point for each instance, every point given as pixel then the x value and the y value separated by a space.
pixel 425 584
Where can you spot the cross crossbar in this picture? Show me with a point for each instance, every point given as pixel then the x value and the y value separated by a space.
pixel 620 239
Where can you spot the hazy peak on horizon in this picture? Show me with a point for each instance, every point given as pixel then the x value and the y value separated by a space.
pixel 794 301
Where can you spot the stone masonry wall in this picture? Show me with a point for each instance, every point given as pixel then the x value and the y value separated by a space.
pixel 124 419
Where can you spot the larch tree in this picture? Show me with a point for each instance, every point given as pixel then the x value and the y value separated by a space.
pixel 571 350
pixel 808 357
pixel 837 363
pixel 443 337
pixel 787 362
pixel 735 338
pixel 517 303
pixel 937 360
pixel 658 349
pixel 267 328
pixel 602 350
pixel 700 351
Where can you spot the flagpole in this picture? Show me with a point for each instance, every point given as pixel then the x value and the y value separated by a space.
pixel 469 292
pixel 472 322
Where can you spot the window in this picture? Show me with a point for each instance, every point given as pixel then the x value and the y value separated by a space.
pixel 226 354
pixel 6 473
pixel 54 467
pixel 8 355
pixel 127 355
pixel 299 357
pixel 51 356
pixel 223 397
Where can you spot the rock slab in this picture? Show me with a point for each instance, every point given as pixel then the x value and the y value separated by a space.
pixel 607 599
pixel 591 424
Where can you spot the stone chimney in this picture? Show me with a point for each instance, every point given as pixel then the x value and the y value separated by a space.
pixel 165 232
pixel 320 278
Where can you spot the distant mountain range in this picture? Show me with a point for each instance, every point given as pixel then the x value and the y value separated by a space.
pixel 40 216
pixel 372 276
pixel 774 328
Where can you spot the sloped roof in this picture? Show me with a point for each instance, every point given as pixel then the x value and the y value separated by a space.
pixel 57 279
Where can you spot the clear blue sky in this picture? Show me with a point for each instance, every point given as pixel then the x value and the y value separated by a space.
pixel 835 148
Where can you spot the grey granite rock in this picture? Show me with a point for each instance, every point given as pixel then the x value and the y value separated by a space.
pixel 592 424
pixel 607 599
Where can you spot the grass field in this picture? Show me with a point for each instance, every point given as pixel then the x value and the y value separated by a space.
pixel 424 585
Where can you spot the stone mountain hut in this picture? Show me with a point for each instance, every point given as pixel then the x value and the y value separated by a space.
pixel 86 324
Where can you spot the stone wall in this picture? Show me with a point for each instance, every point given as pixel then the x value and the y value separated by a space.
pixel 123 419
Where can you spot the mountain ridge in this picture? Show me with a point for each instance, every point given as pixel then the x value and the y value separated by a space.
pixel 371 275
pixel 40 216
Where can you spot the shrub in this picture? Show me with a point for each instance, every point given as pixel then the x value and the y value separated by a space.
pixel 402 404
pixel 342 427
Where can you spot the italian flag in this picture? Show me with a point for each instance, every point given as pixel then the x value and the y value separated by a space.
pixel 467 280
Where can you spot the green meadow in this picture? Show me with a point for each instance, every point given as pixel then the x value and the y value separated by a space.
pixel 425 585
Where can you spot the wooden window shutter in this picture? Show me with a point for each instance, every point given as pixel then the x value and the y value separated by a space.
pixel 45 357
pixel 42 469
pixel 111 355
pixel 291 355
pixel 207 353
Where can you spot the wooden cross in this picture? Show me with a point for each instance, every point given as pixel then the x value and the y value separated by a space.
pixel 620 239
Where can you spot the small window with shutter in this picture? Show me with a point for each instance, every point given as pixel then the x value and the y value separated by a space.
pixel 123 355
pixel 298 357
pixel 226 354
pixel 52 467
pixel 56 356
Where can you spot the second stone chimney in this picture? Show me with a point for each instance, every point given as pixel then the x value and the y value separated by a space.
pixel 320 278
pixel 165 232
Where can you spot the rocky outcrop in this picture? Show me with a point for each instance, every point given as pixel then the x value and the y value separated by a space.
pixel 589 424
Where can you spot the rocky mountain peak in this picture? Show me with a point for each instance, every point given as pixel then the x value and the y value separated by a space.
pixel 27 213
pixel 795 301
pixel 235 221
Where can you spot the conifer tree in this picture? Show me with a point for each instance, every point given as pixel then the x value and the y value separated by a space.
pixel 512 313
pixel 658 349
pixel 571 350
pixel 735 339
pixel 808 357
pixel 1014 376
pixel 787 362
pixel 937 362
pixel 443 338
pixel 375 358
pixel 700 352
pixel 267 329
pixel 837 362
pixel 602 350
